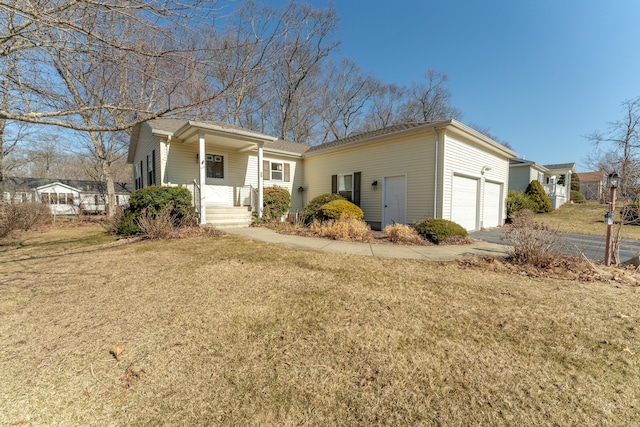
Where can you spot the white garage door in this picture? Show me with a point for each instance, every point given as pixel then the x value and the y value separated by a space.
pixel 464 202
pixel 492 204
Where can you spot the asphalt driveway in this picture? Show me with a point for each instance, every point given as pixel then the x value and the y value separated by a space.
pixel 573 244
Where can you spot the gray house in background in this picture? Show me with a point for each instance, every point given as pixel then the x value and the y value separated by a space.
pixel 555 179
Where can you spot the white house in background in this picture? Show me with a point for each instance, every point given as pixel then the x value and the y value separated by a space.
pixel 400 174
pixel 64 196
pixel 555 179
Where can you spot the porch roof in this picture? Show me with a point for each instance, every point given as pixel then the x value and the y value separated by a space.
pixel 222 134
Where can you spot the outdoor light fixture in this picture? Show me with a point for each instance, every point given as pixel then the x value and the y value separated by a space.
pixel 301 189
pixel 613 180
pixel 485 169
pixel 374 183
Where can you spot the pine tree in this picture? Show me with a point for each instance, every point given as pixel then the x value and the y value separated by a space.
pixel 538 196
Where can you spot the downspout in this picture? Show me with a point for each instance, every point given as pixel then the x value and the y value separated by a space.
pixel 202 179
pixel 435 175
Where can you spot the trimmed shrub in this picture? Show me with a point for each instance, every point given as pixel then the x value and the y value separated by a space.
pixel 539 197
pixel 312 210
pixel 175 202
pixel 338 209
pixel 400 233
pixel 517 201
pixel 438 230
pixel 352 229
pixel 276 203
pixel 576 196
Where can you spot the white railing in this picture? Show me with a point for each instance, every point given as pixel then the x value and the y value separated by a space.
pixel 555 190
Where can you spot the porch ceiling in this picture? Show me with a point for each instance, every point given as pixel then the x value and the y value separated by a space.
pixel 228 138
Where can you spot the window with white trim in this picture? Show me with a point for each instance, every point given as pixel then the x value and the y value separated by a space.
pixel 540 177
pixel 276 171
pixel 215 166
pixel 345 185
pixel 137 174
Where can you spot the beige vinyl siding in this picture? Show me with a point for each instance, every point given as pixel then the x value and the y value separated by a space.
pixel 467 158
pixel 413 156
pixel 296 177
pixel 241 167
pixel 147 142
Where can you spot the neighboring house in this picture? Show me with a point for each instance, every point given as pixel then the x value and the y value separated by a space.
pixel 64 196
pixel 592 185
pixel 555 179
pixel 399 174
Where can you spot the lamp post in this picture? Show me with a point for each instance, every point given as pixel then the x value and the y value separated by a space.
pixel 613 180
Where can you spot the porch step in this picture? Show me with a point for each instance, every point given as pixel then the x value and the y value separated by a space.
pixel 229 216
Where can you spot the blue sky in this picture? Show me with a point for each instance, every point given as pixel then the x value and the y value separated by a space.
pixel 539 74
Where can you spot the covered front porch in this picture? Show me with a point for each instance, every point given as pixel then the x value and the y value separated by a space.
pixel 225 165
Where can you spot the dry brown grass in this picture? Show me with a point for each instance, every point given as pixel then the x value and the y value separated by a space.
pixel 403 234
pixel 348 229
pixel 222 331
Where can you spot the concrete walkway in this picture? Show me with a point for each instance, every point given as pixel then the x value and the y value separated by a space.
pixel 431 253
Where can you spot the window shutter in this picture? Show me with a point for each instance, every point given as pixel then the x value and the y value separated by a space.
pixel 266 170
pixel 334 184
pixel 153 159
pixel 287 172
pixel 356 187
pixel 143 174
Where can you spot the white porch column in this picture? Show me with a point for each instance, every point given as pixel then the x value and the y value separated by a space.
pixel 260 181
pixel 202 179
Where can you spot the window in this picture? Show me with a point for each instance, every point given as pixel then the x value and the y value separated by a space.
pixel 540 177
pixel 137 174
pixel 345 186
pixel 215 166
pixel 151 160
pixel 69 197
pixel 276 171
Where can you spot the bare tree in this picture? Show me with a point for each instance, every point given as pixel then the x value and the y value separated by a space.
pixel 346 93
pixel 621 144
pixel 136 36
pixel 306 39
pixel 384 108
pixel 429 100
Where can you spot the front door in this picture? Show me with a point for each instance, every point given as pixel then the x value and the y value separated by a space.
pixel 216 190
pixel 394 200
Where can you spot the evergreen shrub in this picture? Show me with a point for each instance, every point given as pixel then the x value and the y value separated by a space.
pixel 438 230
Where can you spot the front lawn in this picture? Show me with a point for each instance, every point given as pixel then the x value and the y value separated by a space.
pixel 223 331
pixel 585 218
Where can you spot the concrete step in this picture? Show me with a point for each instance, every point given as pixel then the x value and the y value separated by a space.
pixel 229 216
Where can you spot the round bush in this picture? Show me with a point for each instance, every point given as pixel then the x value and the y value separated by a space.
pixel 577 197
pixel 276 202
pixel 312 210
pixel 172 201
pixel 338 209
pixel 438 230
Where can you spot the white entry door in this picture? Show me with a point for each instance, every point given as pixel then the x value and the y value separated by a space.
pixel 394 200
pixel 492 205
pixel 464 202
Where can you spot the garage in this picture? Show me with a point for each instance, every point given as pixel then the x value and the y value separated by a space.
pixel 464 202
pixel 492 206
